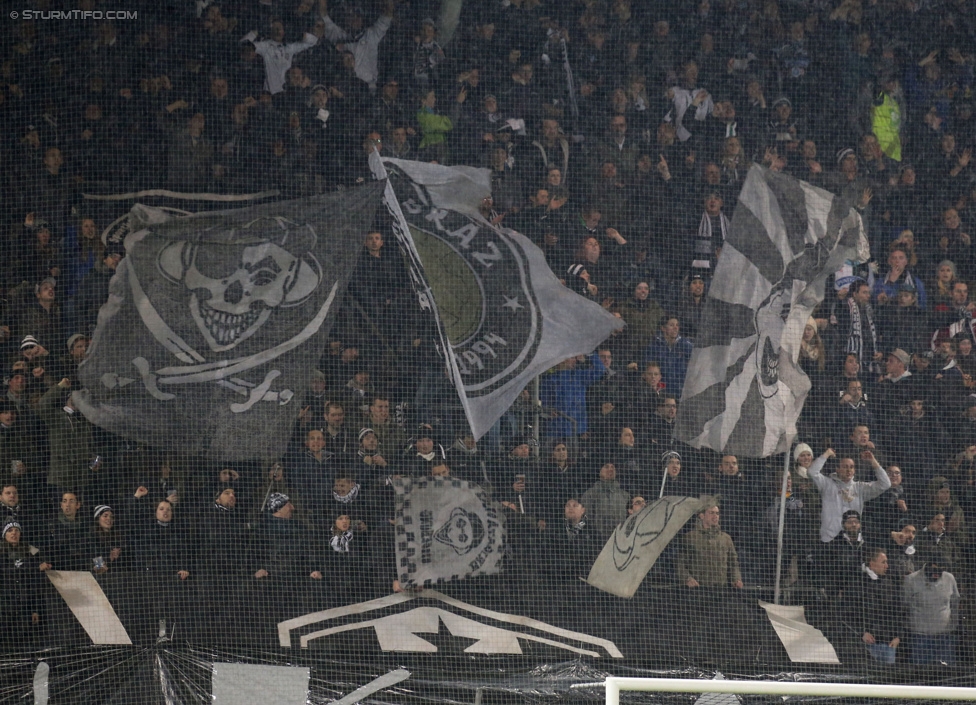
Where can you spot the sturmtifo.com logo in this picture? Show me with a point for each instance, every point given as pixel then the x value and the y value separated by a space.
pixel 74 14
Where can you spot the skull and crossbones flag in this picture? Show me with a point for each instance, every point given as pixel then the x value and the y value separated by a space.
pixel 744 390
pixel 446 530
pixel 215 322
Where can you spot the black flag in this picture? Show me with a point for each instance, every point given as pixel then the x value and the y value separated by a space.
pixel 215 322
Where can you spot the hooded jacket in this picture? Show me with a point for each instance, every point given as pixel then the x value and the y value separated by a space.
pixel 21 581
pixel 933 605
pixel 839 497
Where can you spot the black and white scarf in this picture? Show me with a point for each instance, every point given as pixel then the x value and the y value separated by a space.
pixel 703 241
pixel 730 169
pixel 705 227
pixel 564 148
pixel 855 337
pixel 574 530
pixel 340 542
pixel 347 498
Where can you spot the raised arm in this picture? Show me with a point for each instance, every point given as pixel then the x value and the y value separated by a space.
pixel 815 472
pixel 596 371
pixel 333 32
pixel 870 490
pixel 54 399
pixel 308 41
pixel 382 24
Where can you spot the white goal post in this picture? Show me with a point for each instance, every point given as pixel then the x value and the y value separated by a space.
pixel 851 690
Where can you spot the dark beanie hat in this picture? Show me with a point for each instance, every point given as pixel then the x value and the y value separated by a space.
pixel 276 501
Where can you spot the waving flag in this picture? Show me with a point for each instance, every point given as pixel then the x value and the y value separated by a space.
pixel 503 317
pixel 637 543
pixel 744 390
pixel 216 320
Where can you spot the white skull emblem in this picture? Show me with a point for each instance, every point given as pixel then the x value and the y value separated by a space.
pixel 230 305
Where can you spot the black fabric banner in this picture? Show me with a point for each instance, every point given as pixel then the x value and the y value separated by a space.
pixel 215 321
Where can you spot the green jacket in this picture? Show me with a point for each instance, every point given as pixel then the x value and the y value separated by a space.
pixel 709 557
pixel 70 440
pixel 886 126
pixel 434 127
pixel 643 322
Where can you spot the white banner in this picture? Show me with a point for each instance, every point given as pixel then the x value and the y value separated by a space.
pixel 89 605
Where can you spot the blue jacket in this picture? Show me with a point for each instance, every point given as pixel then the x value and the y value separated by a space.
pixel 891 290
pixel 565 390
pixel 673 360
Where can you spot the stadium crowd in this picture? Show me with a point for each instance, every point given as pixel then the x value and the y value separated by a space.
pixel 617 135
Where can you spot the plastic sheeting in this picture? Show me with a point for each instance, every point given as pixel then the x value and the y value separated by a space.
pixel 662 631
pixel 176 676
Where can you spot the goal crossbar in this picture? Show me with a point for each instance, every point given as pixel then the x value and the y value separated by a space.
pixel 615 685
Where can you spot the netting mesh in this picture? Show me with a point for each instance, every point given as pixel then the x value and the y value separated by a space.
pixel 334 428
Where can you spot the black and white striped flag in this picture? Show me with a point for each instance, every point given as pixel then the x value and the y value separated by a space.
pixel 744 390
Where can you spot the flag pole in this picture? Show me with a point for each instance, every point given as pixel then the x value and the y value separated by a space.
pixel 536 416
pixel 409 250
pixel 664 481
pixel 782 521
